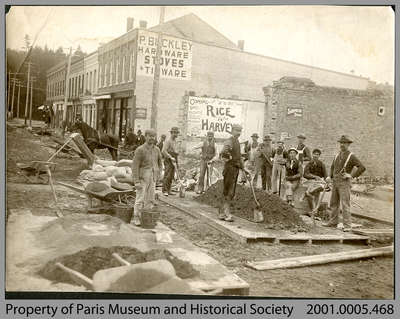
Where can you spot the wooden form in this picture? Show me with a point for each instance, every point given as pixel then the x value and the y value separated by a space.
pixel 320 259
pixel 244 233
pixel 375 232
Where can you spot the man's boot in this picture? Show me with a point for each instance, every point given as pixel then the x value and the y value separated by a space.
pixel 227 212
pixel 221 211
pixel 136 217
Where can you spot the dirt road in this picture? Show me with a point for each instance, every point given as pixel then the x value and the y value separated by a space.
pixel 365 279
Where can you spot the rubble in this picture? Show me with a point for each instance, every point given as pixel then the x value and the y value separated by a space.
pixel 277 213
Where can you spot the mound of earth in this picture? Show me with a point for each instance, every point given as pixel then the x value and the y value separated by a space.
pixel 277 213
pixel 93 259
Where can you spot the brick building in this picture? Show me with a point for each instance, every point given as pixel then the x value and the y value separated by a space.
pixel 323 114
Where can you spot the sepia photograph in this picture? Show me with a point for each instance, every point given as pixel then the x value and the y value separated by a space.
pixel 200 150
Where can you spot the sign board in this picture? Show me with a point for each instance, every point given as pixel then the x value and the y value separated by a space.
pixel 175 59
pixel 140 113
pixel 294 111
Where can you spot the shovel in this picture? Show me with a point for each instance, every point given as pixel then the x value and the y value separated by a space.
pixel 181 187
pixel 257 213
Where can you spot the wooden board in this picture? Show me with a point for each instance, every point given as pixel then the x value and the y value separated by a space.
pixel 77 139
pixel 247 232
pixel 320 259
pixel 375 232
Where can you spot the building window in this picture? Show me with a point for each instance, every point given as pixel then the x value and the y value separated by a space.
pixel 94 81
pixel 381 110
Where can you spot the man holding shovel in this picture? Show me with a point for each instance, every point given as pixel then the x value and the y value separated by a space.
pixel 264 164
pixel 342 174
pixel 208 152
pixel 170 154
pixel 146 166
pixel 233 163
pixel 279 156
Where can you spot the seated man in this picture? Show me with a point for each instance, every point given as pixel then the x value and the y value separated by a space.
pixel 294 171
pixel 315 173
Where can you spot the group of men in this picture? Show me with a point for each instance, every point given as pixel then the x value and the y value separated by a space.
pixel 275 165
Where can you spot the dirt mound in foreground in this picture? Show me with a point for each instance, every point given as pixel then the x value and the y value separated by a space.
pixel 90 260
pixel 277 213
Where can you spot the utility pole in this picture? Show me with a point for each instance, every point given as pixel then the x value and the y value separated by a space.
pixel 67 85
pixel 156 79
pixel 19 89
pixel 30 107
pixel 27 93
pixel 13 94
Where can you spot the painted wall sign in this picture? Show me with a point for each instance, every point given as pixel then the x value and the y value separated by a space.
pixel 175 59
pixel 293 111
pixel 218 115
pixel 141 113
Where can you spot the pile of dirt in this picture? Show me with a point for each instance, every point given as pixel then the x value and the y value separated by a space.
pixel 93 259
pixel 277 213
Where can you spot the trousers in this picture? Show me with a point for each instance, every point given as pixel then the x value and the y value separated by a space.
pixel 340 195
pixel 291 186
pixel 203 171
pixel 169 172
pixel 146 194
pixel 230 174
pixel 276 170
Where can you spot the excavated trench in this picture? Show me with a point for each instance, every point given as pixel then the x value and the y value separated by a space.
pixel 93 259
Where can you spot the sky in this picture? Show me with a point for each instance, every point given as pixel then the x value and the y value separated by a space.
pixel 354 39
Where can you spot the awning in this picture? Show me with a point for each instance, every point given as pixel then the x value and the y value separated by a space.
pixel 102 97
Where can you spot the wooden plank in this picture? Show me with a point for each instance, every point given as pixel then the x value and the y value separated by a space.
pixel 77 139
pixel 73 187
pixel 247 236
pixel 320 259
pixel 371 232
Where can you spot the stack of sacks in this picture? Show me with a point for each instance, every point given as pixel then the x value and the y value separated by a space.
pixel 112 173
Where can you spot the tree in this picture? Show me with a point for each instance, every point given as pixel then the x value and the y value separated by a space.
pixel 27 40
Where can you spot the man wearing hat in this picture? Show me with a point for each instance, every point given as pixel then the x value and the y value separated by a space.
pixel 233 163
pixel 294 171
pixel 146 166
pixel 315 173
pixel 341 175
pixel 264 163
pixel 140 138
pixel 208 153
pixel 251 154
pixel 170 154
pixel 303 152
pixel 279 156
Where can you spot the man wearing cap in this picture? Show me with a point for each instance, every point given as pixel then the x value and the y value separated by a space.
pixel 233 163
pixel 208 153
pixel 146 166
pixel 303 152
pixel 250 151
pixel 279 156
pixel 170 154
pixel 294 171
pixel 315 173
pixel 264 163
pixel 341 175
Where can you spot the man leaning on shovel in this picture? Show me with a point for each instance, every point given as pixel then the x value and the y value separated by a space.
pixel 233 163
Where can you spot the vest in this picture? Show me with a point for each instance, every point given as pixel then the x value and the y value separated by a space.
pixel 290 171
pixel 235 152
pixel 337 168
pixel 300 153
pixel 208 150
